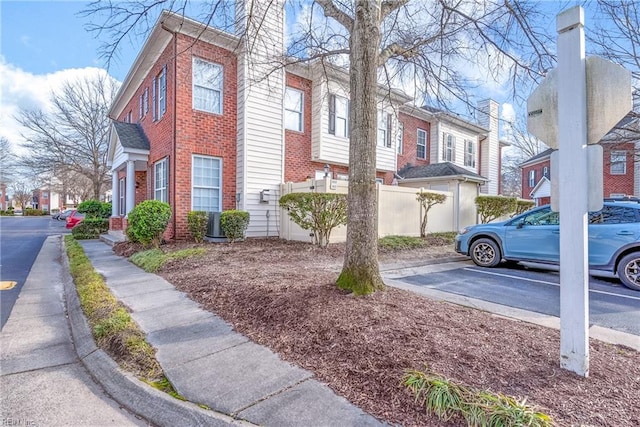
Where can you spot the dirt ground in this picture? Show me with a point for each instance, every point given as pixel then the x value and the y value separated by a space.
pixel 282 295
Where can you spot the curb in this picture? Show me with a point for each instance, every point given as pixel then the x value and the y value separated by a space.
pixel 153 405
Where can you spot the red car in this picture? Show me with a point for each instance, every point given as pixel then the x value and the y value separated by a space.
pixel 74 219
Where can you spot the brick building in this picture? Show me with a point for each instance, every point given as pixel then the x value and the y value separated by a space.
pixel 621 174
pixel 202 123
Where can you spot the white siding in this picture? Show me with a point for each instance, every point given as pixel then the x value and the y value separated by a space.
pixel 328 148
pixel 460 135
pixel 490 160
pixel 260 116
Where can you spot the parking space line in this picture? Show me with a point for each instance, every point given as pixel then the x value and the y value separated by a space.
pixel 547 283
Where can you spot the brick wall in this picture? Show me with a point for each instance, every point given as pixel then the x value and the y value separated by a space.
pixel 618 184
pixel 539 168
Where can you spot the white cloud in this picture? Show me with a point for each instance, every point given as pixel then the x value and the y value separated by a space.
pixel 20 89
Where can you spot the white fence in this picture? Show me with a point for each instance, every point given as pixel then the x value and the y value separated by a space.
pixel 399 211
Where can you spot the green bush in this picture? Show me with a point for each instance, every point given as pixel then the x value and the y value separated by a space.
pixel 234 224
pixel 148 221
pixel 8 212
pixel 90 228
pixel 197 224
pixel 318 212
pixel 523 205
pixel 95 209
pixel 493 207
pixel 33 212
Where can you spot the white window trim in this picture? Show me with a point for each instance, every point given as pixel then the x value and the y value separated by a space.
pixel 383 125
pixel 334 117
pixel 160 192
pixel 618 158
pixel 219 188
pixel 532 178
pixel 299 114
pixel 421 131
pixel 218 89
pixel 469 156
pixel 449 148
pixel 400 141
pixel 162 92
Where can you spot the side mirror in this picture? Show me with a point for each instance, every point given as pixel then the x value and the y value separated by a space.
pixel 520 223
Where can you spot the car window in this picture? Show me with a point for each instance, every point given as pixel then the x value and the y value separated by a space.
pixel 541 217
pixel 614 215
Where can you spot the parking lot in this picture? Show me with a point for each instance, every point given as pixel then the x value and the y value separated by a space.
pixel 611 305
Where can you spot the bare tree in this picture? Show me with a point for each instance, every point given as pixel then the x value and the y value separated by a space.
pixel 7 162
pixel 397 43
pixel 73 136
pixel 22 194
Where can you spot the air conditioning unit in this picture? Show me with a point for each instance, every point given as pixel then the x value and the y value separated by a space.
pixel 213 226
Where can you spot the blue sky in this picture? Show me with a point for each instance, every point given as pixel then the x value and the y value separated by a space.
pixel 43 37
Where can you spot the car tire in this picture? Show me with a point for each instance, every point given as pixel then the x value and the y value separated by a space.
pixel 629 271
pixel 485 253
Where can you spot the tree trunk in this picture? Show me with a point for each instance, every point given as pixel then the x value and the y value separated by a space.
pixel 360 273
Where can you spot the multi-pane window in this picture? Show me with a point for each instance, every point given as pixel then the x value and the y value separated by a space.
pixel 384 129
pixel 140 108
pixel 293 109
pixel 338 115
pixel 121 197
pixel 469 153
pixel 145 101
pixel 618 164
pixel 160 180
pixel 532 178
pixel 422 144
pixel 162 92
pixel 207 182
pixel 207 86
pixel 400 141
pixel 449 148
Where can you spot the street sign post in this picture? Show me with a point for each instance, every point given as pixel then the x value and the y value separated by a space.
pixel 576 105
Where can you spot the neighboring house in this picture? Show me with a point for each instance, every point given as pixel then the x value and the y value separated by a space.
pixel 621 173
pixel 203 124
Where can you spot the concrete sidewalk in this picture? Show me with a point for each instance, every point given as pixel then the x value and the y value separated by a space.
pixel 208 363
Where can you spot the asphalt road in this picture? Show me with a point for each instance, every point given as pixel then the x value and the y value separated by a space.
pixel 20 241
pixel 611 305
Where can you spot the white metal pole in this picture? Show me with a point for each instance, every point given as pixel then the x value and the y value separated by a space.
pixel 572 180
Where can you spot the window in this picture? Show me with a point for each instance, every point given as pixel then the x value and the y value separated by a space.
pixel 140 107
pixel 449 149
pixel 422 144
pixel 145 100
pixel 128 118
pixel 121 197
pixel 293 109
pixel 532 178
pixel 545 172
pixel 400 138
pixel 160 180
pixel 618 164
pixel 338 116
pixel 154 84
pixel 162 92
pixel 384 129
pixel 613 215
pixel 45 195
pixel 207 182
pixel 207 86
pixel 469 153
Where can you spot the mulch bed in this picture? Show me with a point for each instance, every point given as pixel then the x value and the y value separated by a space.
pixel 282 295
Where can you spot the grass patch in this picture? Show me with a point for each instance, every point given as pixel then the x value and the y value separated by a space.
pixel 409 242
pixel 151 260
pixel 448 400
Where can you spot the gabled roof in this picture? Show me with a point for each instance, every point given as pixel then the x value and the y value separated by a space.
pixel 537 158
pixel 131 135
pixel 544 186
pixel 439 170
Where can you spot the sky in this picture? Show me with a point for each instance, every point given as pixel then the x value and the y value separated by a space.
pixel 44 43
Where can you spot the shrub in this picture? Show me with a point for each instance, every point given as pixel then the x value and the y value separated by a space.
pixel 197 224
pixel 318 212
pixel 523 205
pixel 148 221
pixel 234 224
pixel 493 207
pixel 33 212
pixel 95 209
pixel 427 200
pixel 90 228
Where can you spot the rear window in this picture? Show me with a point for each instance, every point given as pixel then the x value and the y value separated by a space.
pixel 614 215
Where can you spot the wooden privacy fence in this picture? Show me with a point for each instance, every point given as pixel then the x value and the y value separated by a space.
pixel 399 212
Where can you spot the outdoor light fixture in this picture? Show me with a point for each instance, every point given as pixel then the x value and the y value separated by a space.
pixel 326 170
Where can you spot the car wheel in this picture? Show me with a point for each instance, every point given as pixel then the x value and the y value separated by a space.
pixel 485 253
pixel 629 271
